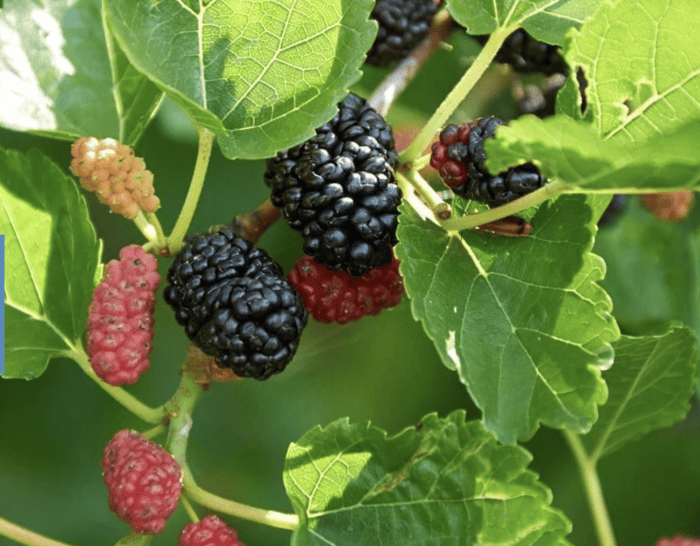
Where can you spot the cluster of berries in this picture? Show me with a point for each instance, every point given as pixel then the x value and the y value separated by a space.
pixel 338 190
pixel 460 158
pixel 120 320
pixel 120 180
pixel 144 482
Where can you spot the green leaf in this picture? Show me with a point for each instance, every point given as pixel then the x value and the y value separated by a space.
pixel 642 63
pixel 650 386
pixel 262 75
pixel 442 482
pixel 57 75
pixel 51 253
pixel 572 152
pixel 543 19
pixel 521 320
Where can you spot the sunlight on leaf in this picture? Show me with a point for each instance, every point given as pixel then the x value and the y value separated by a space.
pixel 56 76
pixel 522 320
pixel 543 19
pixel 51 252
pixel 261 75
pixel 642 63
pixel 444 481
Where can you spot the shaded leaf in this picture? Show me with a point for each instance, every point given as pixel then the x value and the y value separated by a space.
pixel 543 19
pixel 572 152
pixel 642 63
pixel 650 386
pixel 51 253
pixel 522 321
pixel 442 482
pixel 57 77
pixel 262 75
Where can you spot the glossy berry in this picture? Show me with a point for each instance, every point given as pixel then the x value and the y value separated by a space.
pixel 526 55
pixel 143 481
pixel 459 157
pixel 210 531
pixel 120 320
pixel 335 296
pixel 402 25
pixel 120 180
pixel 338 189
pixel 236 304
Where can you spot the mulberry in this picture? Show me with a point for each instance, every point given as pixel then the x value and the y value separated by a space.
pixel 338 189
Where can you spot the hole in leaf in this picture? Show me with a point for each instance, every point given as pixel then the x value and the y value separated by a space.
pixel 582 85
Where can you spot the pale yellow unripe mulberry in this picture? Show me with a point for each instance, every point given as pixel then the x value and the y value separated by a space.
pixel 119 179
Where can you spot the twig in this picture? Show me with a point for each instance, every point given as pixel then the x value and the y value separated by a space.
pixel 252 225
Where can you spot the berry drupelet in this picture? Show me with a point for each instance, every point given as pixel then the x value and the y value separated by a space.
pixel 236 304
pixel 209 531
pixel 338 189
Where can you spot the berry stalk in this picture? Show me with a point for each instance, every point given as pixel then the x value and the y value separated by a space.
pixel 272 518
pixel 182 225
pixel 441 209
pixel 471 221
pixel 25 536
pixel 594 491
pixel 134 405
pixel 457 95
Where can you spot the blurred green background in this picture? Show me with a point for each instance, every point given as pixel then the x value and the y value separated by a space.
pixel 382 369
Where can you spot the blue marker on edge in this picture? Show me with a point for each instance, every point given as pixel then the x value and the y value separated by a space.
pixel 2 307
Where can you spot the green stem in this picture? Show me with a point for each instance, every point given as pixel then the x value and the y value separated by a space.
pixel 457 95
pixel 206 142
pixel 25 536
pixel 594 491
pixel 160 236
pixel 145 227
pixel 434 201
pixel 470 221
pixel 266 517
pixel 153 432
pixel 187 505
pixel 179 409
pixel 135 406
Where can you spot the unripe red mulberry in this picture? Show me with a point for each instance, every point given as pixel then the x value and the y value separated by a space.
pixel 210 531
pixel 143 481
pixel 120 180
pixel 336 296
pixel 120 322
